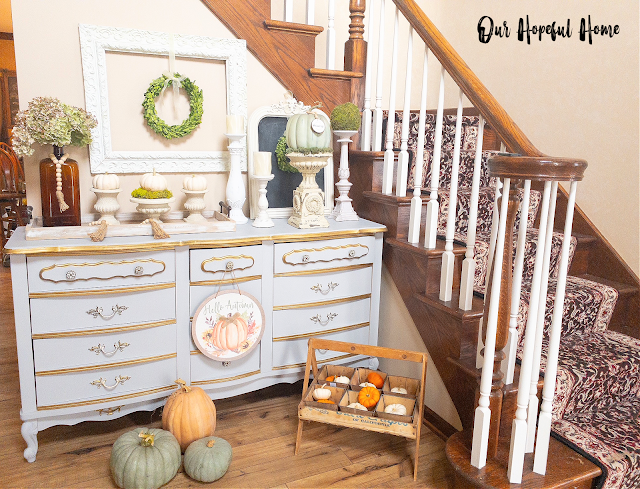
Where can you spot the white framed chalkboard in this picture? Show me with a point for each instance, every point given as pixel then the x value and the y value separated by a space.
pixel 265 126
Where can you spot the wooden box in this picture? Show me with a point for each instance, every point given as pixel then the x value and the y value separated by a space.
pixel 386 400
pixel 360 376
pixel 336 371
pixel 412 386
pixel 349 398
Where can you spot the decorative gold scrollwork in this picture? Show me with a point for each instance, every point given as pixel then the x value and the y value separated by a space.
pixel 330 287
pixel 318 319
pixel 98 312
pixel 118 346
pixel 102 382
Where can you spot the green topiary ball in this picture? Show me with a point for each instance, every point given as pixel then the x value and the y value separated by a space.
pixel 207 459
pixel 345 117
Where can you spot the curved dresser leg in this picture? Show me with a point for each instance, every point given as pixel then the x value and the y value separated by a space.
pixel 29 432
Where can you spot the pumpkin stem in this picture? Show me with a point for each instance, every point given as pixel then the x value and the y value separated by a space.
pixel 183 385
pixel 210 443
pixel 147 439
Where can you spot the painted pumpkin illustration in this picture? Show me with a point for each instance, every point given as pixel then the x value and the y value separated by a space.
pixel 229 333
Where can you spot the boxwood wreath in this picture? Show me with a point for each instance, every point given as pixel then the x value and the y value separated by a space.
pixel 161 127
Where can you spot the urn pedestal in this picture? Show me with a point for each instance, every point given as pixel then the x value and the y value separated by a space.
pixel 308 199
pixel 107 205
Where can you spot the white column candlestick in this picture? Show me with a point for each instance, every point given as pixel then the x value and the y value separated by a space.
pixel 343 211
pixel 263 220
pixel 236 193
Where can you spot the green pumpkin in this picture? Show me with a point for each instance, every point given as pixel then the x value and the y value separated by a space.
pixel 207 459
pixel 300 135
pixel 145 458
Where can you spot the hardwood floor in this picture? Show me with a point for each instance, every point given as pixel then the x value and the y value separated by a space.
pixel 260 426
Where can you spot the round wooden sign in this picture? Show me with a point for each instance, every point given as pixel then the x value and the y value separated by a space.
pixel 228 325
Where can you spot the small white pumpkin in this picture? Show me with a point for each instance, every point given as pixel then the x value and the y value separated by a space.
pixel 321 393
pixel 399 390
pixel 398 409
pixel 357 405
pixel 106 181
pixel 342 379
pixel 153 181
pixel 368 384
pixel 194 183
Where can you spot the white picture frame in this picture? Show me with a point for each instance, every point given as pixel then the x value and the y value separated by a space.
pixel 290 106
pixel 96 41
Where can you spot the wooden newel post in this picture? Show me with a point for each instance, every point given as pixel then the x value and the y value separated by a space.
pixel 502 335
pixel 355 54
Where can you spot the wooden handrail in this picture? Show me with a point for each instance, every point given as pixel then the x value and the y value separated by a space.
pixel 493 113
pixel 536 168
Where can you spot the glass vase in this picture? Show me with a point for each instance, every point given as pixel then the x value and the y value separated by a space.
pixel 52 215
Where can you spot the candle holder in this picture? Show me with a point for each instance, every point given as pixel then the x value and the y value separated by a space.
pixel 152 208
pixel 263 220
pixel 107 205
pixel 236 193
pixel 308 199
pixel 195 205
pixel 343 211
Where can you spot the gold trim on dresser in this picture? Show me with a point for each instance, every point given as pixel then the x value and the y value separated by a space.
pixel 123 290
pixel 71 275
pixel 227 281
pixel 323 303
pixel 106 399
pixel 323 270
pixel 227 379
pixel 105 366
pixel 320 333
pixel 306 259
pixel 90 332
pixel 298 365
pixel 229 266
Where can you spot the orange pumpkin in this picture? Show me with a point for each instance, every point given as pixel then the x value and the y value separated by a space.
pixel 189 414
pixel 230 332
pixel 369 397
pixel 330 378
pixel 376 379
pixel 326 401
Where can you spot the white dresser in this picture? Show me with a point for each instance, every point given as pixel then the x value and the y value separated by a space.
pixel 103 329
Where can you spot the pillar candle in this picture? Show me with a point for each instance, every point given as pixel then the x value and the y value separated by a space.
pixel 235 124
pixel 262 163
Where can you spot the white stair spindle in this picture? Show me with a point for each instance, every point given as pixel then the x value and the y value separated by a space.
pixel 415 216
pixel 519 426
pixel 387 172
pixel 403 157
pixel 509 362
pixel 288 10
pixel 448 259
pixel 376 144
pixel 492 248
pixel 331 36
pixel 431 225
pixel 548 391
pixel 311 11
pixel 532 413
pixel 482 417
pixel 469 263
pixel 365 139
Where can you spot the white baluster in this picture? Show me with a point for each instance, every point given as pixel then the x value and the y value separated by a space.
pixel 403 158
pixel 387 172
pixel 415 216
pixel 511 350
pixel 288 10
pixel 365 140
pixel 311 11
pixel 448 259
pixel 548 391
pixel 377 112
pixel 483 413
pixel 469 263
pixel 532 413
pixel 519 426
pixel 431 225
pixel 331 37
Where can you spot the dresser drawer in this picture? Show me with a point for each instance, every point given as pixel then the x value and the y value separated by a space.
pixel 198 293
pixel 204 370
pixel 321 287
pixel 60 274
pixel 70 388
pixel 320 319
pixel 318 255
pixel 92 312
pixel 293 353
pixel 244 261
pixel 99 349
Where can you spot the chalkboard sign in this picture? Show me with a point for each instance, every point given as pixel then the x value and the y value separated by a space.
pixel 280 189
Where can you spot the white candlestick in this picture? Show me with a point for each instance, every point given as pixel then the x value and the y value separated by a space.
pixel 263 220
pixel 236 194
pixel 235 124
pixel 261 163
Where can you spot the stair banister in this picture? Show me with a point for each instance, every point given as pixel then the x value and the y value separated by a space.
pixel 331 36
pixel 288 10
pixel 403 156
pixel 311 12
pixel 377 112
pixel 387 172
pixel 367 113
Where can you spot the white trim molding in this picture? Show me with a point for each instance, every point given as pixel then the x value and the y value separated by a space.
pixel 95 41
